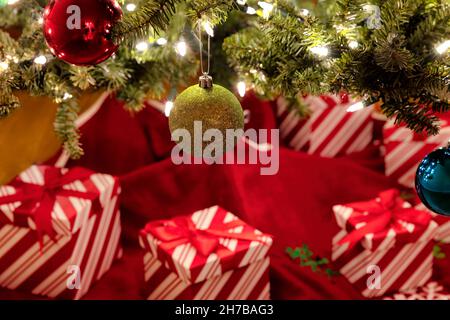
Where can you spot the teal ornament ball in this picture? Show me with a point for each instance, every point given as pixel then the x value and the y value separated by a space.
pixel 433 181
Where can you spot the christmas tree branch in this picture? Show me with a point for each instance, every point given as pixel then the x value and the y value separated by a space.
pixel 132 74
pixel 389 56
pixel 154 14
pixel 65 128
pixel 383 52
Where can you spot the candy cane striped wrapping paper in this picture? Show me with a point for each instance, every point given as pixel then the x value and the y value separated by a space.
pixel 404 150
pixel 84 248
pixel 237 269
pixel 402 266
pixel 247 283
pixel 443 231
pixel 331 130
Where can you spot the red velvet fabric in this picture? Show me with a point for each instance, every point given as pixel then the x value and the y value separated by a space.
pixel 114 140
pixel 294 205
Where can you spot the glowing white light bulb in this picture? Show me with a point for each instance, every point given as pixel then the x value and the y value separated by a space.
pixel 168 108
pixel 251 10
pixel 241 2
pixel 304 12
pixel 142 46
pixel 67 96
pixel 130 7
pixel 41 20
pixel 14 59
pixel 443 47
pixel 321 51
pixel 208 27
pixel 40 60
pixel 265 5
pixel 4 66
pixel 356 106
pixel 267 8
pixel 181 48
pixel 161 41
pixel 242 88
pixel 353 44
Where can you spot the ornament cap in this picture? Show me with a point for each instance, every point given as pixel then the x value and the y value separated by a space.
pixel 205 81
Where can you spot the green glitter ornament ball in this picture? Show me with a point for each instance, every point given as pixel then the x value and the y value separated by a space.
pixel 216 108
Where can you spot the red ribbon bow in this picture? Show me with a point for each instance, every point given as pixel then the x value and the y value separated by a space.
pixel 386 213
pixel 182 230
pixel 38 201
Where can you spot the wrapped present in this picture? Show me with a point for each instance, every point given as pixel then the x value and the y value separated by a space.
pixel 385 235
pixel 331 130
pixel 405 149
pixel 59 230
pixel 208 255
pixel 443 231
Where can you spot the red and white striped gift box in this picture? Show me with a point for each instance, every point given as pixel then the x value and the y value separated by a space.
pixel 404 150
pixel 331 130
pixel 208 255
pixel 443 231
pixel 86 232
pixel 385 235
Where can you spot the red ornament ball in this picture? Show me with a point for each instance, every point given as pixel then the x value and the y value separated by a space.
pixel 78 31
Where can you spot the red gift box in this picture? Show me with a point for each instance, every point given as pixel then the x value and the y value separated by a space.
pixel 443 231
pixel 208 255
pixel 59 230
pixel 405 149
pixel 384 234
pixel 331 130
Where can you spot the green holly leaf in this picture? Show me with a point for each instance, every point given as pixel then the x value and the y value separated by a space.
pixel 308 259
pixel 309 263
pixel 293 253
pixel 306 251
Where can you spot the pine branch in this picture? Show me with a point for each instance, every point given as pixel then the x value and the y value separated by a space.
pixel 65 127
pixel 215 11
pixel 394 60
pixel 154 14
pixel 396 63
pixel 8 103
pixel 275 54
pixel 82 77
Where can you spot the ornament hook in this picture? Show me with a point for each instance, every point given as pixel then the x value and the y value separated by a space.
pixel 205 81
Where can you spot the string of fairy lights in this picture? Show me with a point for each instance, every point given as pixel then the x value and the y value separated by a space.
pixel 181 47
